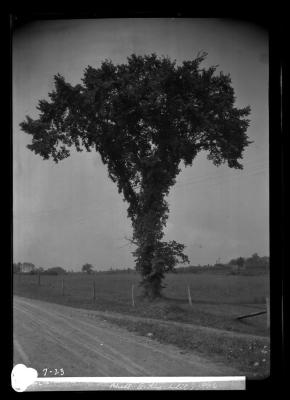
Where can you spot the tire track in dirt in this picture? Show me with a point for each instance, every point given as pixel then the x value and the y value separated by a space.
pixel 90 344
pixel 66 345
pixel 21 352
pixel 59 347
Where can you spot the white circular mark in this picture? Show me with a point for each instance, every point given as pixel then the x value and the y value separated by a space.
pixel 22 377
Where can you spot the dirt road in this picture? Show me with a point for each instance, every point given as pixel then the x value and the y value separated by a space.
pixel 49 336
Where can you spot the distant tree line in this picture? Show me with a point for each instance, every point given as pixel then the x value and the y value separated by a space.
pixel 89 269
pixel 255 261
pixel 30 268
pixel 193 268
pixel 53 271
pixel 118 271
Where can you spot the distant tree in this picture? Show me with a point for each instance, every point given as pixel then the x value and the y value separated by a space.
pixel 256 261
pixel 55 271
pixel 144 118
pixel 265 261
pixel 237 264
pixel 240 262
pixel 88 268
pixel 255 258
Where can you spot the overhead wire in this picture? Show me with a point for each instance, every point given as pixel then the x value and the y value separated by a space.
pixel 198 180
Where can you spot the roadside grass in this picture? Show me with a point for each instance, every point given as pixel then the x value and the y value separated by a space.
pixel 249 356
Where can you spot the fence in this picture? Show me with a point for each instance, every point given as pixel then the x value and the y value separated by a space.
pixel 192 291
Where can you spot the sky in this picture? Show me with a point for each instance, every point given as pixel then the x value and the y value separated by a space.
pixel 71 213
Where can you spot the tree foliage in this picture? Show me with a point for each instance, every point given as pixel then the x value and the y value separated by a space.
pixel 144 117
pixel 88 268
pixel 240 261
pixel 55 271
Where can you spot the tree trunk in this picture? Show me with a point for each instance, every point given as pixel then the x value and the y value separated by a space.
pixel 148 232
pixel 152 287
pixel 151 275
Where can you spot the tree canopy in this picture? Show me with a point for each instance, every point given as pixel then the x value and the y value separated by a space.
pixel 144 117
pixel 88 268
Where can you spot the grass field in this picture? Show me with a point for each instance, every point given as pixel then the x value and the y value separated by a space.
pixel 217 299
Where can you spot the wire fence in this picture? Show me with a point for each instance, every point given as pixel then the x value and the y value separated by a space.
pixel 125 288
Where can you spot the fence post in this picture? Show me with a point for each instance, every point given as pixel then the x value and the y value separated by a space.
pixel 268 311
pixel 62 287
pixel 38 279
pixel 189 296
pixel 94 291
pixel 132 292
